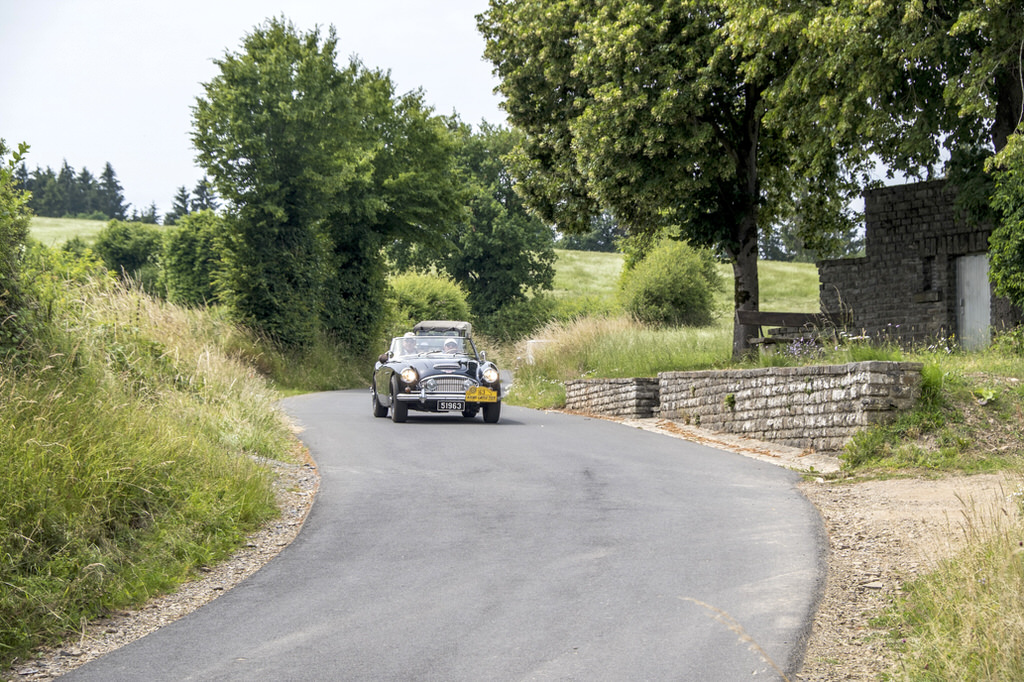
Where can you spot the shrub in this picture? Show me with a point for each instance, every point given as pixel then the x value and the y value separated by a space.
pixel 191 254
pixel 131 250
pixel 418 296
pixel 673 285
pixel 1006 244
pixel 14 220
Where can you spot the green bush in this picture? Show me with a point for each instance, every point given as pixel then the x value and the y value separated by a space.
pixel 418 296
pixel 131 250
pixel 1006 244
pixel 673 285
pixel 14 222
pixel 191 257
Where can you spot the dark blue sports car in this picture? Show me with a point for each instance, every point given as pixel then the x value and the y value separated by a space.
pixel 436 368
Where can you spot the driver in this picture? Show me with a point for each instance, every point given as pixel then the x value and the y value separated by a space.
pixel 451 346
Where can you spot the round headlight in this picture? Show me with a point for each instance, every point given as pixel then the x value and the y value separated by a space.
pixel 410 375
pixel 490 375
pixel 430 384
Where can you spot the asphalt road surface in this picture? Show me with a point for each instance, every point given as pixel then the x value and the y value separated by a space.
pixel 544 547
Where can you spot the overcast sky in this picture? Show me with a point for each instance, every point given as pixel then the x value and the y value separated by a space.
pixel 92 81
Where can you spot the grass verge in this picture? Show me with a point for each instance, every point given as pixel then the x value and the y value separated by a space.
pixel 132 449
pixel 965 619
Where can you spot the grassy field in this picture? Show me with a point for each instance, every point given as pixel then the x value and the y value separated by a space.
pixel 52 231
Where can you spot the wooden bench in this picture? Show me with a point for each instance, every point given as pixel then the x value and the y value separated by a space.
pixel 788 326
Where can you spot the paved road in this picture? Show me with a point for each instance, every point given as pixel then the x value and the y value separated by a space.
pixel 545 547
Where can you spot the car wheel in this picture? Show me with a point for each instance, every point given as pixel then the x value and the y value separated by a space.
pixel 378 409
pixel 399 410
pixel 492 412
pixel 470 412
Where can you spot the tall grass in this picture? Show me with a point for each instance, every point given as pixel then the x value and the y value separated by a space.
pixel 610 347
pixel 131 449
pixel 609 344
pixel 965 619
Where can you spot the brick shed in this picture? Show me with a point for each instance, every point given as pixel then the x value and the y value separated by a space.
pixel 925 276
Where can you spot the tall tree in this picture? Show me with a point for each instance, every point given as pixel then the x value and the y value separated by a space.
pixel 499 252
pixel 180 207
pixel 66 190
pixel 84 198
pixel 409 193
pixel 643 108
pixel 908 81
pixel 203 197
pixel 316 164
pixel 267 130
pixel 111 195
pixel 504 252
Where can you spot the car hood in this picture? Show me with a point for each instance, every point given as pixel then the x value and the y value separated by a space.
pixel 429 366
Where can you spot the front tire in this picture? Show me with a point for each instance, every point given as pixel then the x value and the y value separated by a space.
pixel 399 410
pixel 378 409
pixel 492 412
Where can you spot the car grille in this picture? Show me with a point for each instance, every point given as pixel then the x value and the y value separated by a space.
pixel 449 385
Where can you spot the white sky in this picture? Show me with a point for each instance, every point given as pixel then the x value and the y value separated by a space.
pixel 92 81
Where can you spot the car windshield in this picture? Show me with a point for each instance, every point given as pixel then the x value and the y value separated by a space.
pixel 407 346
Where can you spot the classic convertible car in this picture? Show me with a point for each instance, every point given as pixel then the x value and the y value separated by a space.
pixel 436 368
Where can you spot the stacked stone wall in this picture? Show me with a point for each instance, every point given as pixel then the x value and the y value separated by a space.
pixel 633 398
pixel 817 407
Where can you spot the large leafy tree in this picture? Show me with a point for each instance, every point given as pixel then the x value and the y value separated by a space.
pixel 909 81
pixel 405 189
pixel 505 253
pixel 317 165
pixel 646 108
pixel 269 130
pixel 499 251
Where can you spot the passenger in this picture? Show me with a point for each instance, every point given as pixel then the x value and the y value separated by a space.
pixel 409 345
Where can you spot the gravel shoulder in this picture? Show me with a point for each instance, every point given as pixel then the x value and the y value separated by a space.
pixel 881 533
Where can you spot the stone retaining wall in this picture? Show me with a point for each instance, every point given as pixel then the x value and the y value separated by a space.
pixel 817 407
pixel 634 398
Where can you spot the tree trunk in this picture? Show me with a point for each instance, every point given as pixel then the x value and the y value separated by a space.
pixel 745 289
pixel 744 262
pixel 1009 105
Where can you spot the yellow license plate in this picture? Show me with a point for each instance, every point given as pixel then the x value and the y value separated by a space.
pixel 481 394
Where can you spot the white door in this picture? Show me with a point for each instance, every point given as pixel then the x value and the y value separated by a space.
pixel 973 301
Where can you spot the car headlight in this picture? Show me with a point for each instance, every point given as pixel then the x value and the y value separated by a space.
pixel 410 375
pixel 490 375
pixel 430 385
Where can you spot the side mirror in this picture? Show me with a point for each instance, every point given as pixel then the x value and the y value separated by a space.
pixel 383 357
pixel 483 356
